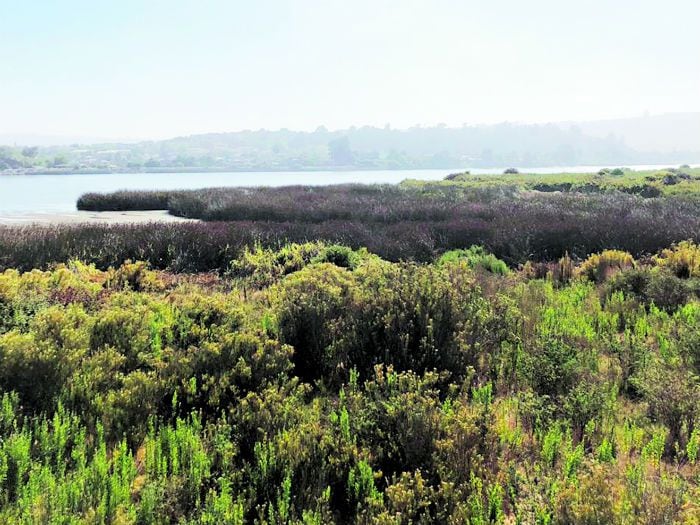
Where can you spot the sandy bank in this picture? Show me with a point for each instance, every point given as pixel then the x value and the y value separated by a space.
pixel 102 217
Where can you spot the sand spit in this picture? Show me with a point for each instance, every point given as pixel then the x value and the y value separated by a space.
pixel 94 217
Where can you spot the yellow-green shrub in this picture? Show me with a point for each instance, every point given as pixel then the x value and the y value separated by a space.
pixel 260 267
pixel 683 259
pixel 600 266
pixel 134 276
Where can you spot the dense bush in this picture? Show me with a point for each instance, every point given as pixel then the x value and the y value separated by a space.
pixel 260 267
pixel 418 319
pixel 348 389
pixel 660 288
pixel 340 256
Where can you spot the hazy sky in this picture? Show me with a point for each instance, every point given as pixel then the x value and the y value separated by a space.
pixel 151 69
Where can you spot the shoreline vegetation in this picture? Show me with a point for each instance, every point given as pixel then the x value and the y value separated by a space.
pixel 483 349
pixel 212 202
pixel 517 217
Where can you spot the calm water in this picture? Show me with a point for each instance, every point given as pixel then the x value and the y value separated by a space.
pixel 32 194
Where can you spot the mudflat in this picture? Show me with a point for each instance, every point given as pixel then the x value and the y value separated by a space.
pixel 101 217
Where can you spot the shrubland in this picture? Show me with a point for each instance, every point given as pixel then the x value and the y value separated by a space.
pixel 645 183
pixel 502 349
pixel 316 383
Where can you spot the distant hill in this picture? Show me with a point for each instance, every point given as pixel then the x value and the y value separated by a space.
pixel 671 138
pixel 657 133
pixel 36 139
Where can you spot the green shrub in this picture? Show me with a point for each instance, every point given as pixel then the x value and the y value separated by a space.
pixel 133 276
pixel 309 306
pixel 260 267
pixel 671 395
pixel 38 364
pixel 476 257
pixel 341 256
pixel 552 367
pixel 416 318
pixel 361 488
pixel 667 291
pixel 660 288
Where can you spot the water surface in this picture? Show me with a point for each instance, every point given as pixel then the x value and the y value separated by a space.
pixel 49 194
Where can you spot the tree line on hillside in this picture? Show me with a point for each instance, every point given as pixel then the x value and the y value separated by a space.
pixel 367 147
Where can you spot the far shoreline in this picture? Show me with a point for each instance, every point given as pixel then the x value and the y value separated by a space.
pixel 582 168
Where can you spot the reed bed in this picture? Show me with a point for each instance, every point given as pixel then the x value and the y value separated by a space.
pixel 514 229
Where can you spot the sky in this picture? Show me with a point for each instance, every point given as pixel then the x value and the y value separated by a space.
pixel 155 69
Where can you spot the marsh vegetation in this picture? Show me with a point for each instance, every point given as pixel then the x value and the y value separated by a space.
pixel 469 351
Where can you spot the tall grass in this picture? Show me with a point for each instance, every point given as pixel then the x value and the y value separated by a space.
pixel 515 230
pixel 416 221
pixel 125 201
pixel 365 203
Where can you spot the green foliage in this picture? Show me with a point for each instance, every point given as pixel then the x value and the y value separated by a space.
pixel 551 443
pixel 693 446
pixel 260 267
pixel 361 488
pixel 605 452
pixel 658 287
pixel 341 256
pixel 671 394
pixel 308 306
pixel 476 257
pixel 346 388
pixel 418 318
